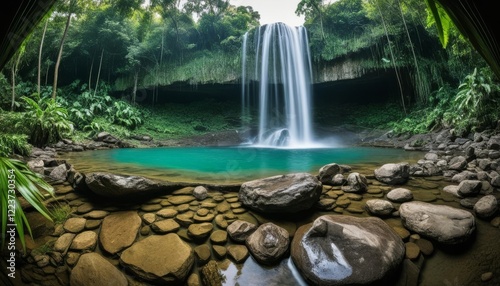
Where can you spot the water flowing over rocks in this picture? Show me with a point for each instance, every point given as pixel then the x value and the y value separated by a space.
pixel 345 250
pixel 281 194
pixel 444 224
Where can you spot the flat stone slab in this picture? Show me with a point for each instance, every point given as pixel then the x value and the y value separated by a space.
pixel 94 270
pixel 161 259
pixel 119 230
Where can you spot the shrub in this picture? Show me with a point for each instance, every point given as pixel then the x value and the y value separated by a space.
pixel 47 120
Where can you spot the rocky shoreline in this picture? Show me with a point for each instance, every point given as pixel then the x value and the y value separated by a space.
pixel 130 230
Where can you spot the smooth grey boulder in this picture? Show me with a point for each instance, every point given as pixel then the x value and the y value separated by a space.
pixel 486 207
pixel 346 250
pixel 468 188
pixel 400 195
pixel 378 207
pixel 327 172
pixel 288 193
pixel 393 173
pixel 445 224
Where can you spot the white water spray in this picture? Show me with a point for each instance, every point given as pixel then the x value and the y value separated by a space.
pixel 282 73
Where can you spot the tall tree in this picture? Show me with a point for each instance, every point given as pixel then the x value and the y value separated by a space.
pixel 72 5
pixel 312 8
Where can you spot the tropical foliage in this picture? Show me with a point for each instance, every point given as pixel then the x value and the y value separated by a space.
pixel 17 179
pixel 46 119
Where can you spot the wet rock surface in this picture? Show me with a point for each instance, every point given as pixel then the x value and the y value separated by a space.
pixel 281 194
pixel 344 250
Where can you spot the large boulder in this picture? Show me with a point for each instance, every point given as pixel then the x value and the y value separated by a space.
pixel 393 174
pixel 346 250
pixel 160 259
pixel 281 194
pixel 445 224
pixel 111 185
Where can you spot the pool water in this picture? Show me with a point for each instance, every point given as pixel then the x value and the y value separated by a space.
pixel 229 164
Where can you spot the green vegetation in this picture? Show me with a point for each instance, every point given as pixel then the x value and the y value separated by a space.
pixel 19 179
pixel 60 213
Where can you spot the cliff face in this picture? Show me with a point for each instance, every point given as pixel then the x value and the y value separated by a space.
pixel 345 69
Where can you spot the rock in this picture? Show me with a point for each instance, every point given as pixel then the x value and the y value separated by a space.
pixel 445 224
pixel 202 253
pixel 346 250
pixel 486 207
pixel 238 253
pixel 86 240
pixel 268 243
pixel 200 230
pixel 425 246
pixel 393 174
pixel 355 183
pixel 147 259
pixel 219 237
pixel 200 193
pixel 165 226
pixel 468 188
pixel 93 269
pixel 452 189
pixel 412 251
pixel 119 230
pixel 338 180
pixel 74 224
pixel 239 230
pixel 63 242
pixel 59 173
pixel 36 166
pixel 400 195
pixel 327 172
pixel 117 186
pixel 379 207
pixel 281 194
pixel 457 163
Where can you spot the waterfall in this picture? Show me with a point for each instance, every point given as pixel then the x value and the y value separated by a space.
pixel 280 83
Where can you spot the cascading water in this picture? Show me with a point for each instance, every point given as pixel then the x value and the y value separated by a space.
pixel 276 72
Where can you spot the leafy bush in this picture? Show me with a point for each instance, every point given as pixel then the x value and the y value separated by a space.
pixel 124 114
pixel 47 120
pixel 14 144
pixel 475 104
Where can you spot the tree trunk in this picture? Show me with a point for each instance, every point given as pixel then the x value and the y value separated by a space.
pixel 59 56
pixel 393 59
pixel 134 90
pixel 98 72
pixel 13 73
pixel 40 57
